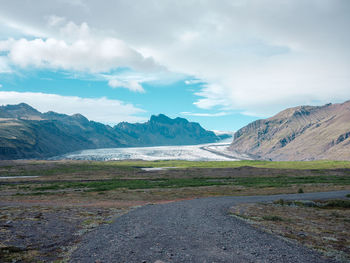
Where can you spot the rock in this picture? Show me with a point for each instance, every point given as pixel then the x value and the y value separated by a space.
pixel 40 135
pixel 301 133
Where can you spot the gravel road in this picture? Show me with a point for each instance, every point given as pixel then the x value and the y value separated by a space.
pixel 199 230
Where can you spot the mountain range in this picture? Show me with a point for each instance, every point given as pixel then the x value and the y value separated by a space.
pixel 299 133
pixel 27 133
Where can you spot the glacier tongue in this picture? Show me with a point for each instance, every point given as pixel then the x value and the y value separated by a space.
pixel 186 152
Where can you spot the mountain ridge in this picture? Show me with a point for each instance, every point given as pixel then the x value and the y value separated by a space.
pixel 28 133
pixel 299 133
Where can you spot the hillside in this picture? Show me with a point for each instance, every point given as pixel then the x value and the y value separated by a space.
pixel 28 133
pixel 162 130
pixel 300 133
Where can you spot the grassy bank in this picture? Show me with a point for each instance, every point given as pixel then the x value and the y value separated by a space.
pixel 120 179
pixel 52 168
pixel 261 182
pixel 324 164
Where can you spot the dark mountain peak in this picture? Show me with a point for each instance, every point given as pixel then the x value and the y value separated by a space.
pixel 160 118
pixel 182 120
pixel 51 115
pixel 124 125
pixel 20 111
pixel 162 130
pixel 46 134
pixel 79 117
pixel 22 105
pixel 17 107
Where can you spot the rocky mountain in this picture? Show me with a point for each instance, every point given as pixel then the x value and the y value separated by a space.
pixel 162 130
pixel 300 133
pixel 28 133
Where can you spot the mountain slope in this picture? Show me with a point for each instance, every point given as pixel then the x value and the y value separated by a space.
pixel 300 133
pixel 28 133
pixel 162 130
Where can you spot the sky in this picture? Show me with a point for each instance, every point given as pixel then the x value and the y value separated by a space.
pixel 220 63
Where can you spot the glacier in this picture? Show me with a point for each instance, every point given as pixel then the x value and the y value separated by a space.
pixel 203 152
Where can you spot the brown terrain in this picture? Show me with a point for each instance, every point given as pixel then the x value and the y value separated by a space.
pixel 298 134
pixel 49 206
pixel 322 225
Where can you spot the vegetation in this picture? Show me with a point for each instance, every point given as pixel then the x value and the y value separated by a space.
pixel 122 184
pixel 318 165
pixel 280 181
pixel 335 203
pixel 64 177
pixel 272 218
pixel 45 168
pixel 323 225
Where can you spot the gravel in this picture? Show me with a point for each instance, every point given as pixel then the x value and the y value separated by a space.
pixel 199 230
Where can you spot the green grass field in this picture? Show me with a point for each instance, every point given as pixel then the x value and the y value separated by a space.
pixel 79 177
pixel 280 181
pixel 232 164
pixel 54 168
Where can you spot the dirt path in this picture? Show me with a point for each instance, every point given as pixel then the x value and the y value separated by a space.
pixel 199 230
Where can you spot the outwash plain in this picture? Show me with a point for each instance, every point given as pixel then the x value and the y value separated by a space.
pixel 65 200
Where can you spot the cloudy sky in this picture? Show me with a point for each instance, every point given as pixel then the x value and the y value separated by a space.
pixel 221 63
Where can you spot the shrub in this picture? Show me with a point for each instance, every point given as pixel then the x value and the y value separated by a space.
pixel 305 203
pixel 272 218
pixel 300 191
pixel 279 202
pixel 337 203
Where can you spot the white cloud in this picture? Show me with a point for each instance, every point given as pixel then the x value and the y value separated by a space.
pixel 76 48
pixel 5 45
pixel 4 67
pixel 0 86
pixel 54 20
pixel 98 109
pixel 257 56
pixel 260 60
pixel 218 114
pixel 193 81
pixel 132 85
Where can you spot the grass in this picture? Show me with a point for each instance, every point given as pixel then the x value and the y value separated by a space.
pixel 52 168
pixel 132 184
pixel 122 184
pixel 335 203
pixel 324 164
pixel 125 181
pixel 47 168
pixel 280 181
pixel 327 230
